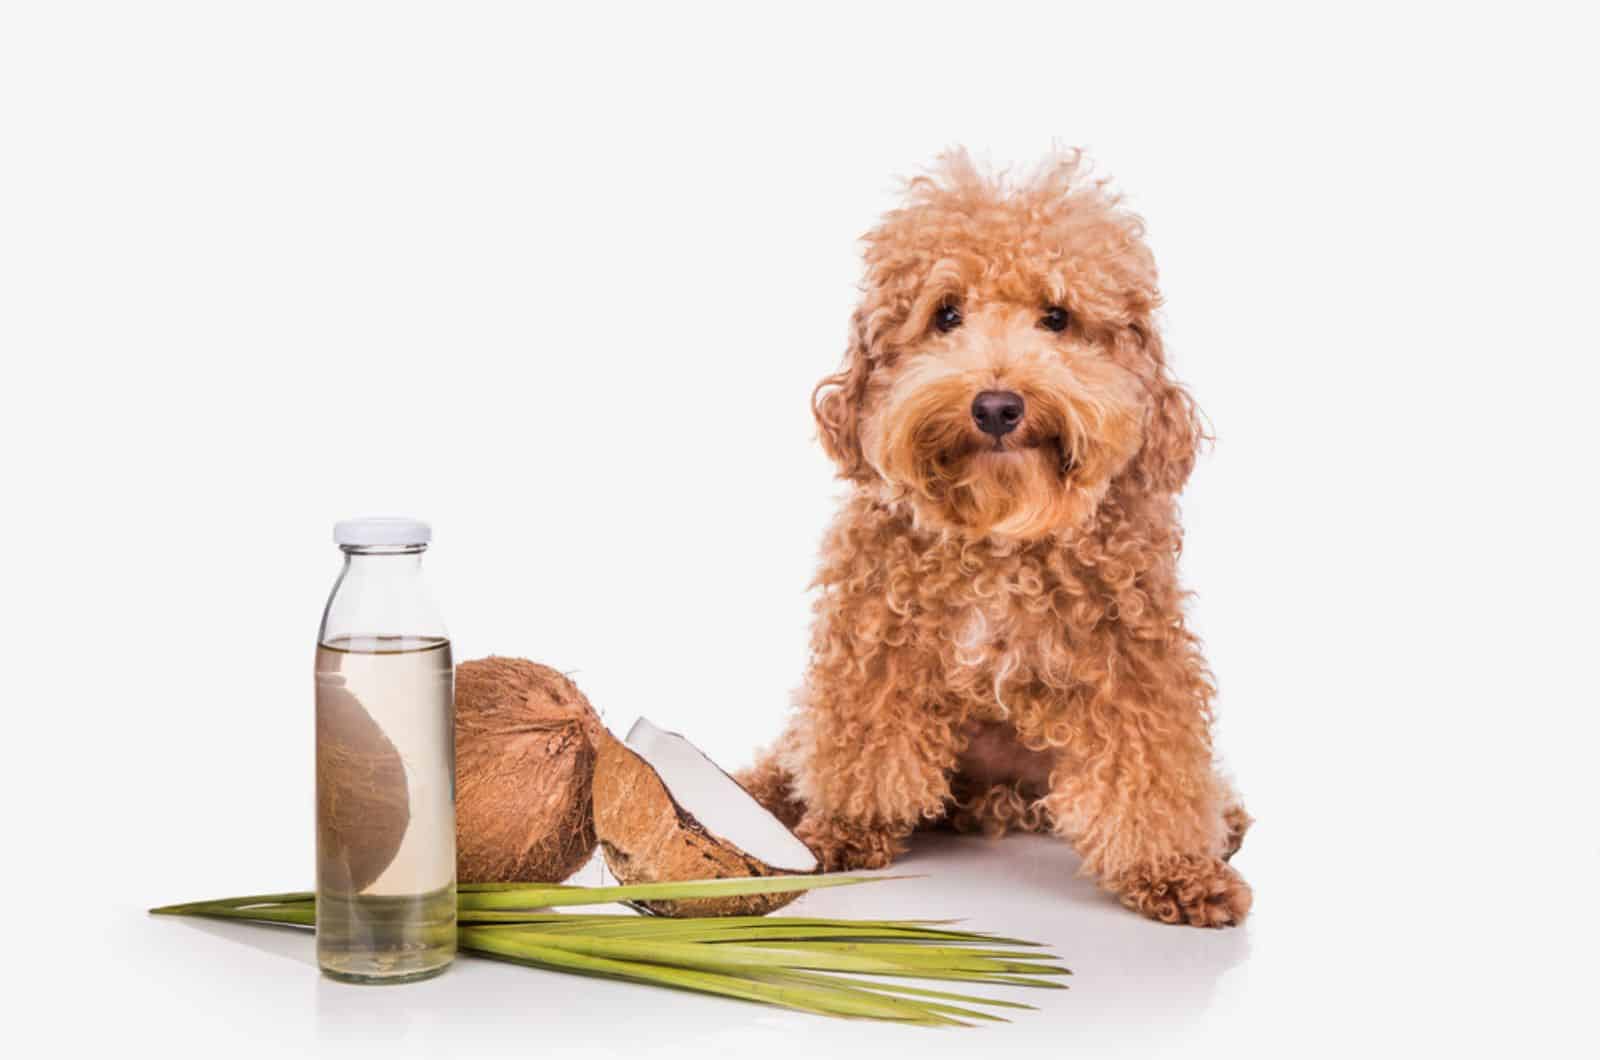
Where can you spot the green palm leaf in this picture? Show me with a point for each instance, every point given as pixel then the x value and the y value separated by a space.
pixel 844 968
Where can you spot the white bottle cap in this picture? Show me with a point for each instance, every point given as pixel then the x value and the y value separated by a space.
pixel 379 530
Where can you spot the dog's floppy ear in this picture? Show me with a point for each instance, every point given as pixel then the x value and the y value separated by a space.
pixel 1173 428
pixel 836 404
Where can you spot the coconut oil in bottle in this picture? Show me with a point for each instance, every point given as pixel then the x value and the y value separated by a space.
pixel 386 896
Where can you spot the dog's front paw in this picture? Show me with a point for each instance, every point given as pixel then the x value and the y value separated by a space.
pixel 841 844
pixel 1203 891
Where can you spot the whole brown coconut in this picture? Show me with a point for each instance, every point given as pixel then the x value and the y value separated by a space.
pixel 363 802
pixel 524 773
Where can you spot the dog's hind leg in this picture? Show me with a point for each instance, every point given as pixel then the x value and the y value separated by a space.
pixel 773 787
pixel 1238 823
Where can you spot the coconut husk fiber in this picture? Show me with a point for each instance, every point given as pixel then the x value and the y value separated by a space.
pixel 524 773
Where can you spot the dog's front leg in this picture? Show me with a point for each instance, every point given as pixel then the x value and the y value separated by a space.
pixel 870 757
pixel 1143 803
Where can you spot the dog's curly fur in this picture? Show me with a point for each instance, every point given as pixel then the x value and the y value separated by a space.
pixel 999 638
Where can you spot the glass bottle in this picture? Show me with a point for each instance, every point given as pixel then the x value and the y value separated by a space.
pixel 386 857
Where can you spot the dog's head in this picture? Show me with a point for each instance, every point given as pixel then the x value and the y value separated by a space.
pixel 1004 370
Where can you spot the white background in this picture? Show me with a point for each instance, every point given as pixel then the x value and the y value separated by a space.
pixel 561 281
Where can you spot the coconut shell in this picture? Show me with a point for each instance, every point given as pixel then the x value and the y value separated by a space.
pixel 363 802
pixel 647 837
pixel 524 773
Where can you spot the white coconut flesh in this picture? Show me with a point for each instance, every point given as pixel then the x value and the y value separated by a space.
pixel 717 801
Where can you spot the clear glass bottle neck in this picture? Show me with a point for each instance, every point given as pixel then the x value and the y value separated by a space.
pixel 381 593
pixel 383 550
pixel 382 560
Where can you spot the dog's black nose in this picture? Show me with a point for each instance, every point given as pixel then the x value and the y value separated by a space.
pixel 998 412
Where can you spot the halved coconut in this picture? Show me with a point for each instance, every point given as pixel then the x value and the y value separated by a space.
pixel 664 812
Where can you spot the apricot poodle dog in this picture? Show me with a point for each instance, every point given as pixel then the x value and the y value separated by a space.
pixel 999 638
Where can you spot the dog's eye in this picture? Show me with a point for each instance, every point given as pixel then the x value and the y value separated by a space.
pixel 1055 319
pixel 947 318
